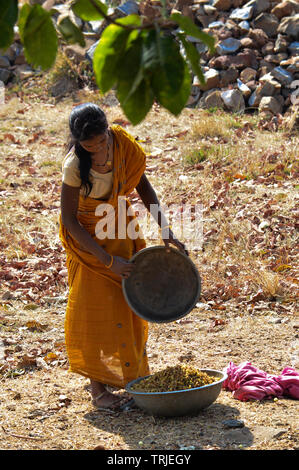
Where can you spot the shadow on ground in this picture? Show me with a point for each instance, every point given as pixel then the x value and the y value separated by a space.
pixel 139 430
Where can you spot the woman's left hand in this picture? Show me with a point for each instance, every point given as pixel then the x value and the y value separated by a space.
pixel 169 238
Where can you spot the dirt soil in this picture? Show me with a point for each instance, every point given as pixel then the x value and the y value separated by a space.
pixel 243 171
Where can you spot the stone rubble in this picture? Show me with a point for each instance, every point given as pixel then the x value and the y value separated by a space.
pixel 256 60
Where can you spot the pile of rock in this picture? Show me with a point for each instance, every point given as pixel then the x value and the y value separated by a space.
pixel 13 63
pixel 256 64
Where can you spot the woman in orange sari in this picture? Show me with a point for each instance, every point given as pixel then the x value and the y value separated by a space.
pixel 105 340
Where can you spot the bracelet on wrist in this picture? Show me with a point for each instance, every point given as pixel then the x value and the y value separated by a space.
pixel 111 263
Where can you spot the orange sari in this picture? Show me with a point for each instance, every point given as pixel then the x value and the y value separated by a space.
pixel 105 340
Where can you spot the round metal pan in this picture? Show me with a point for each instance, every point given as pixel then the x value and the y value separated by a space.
pixel 164 286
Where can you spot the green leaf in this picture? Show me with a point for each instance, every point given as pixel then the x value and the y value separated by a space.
pixel 38 36
pixel 193 56
pixel 175 102
pixel 133 88
pixel 130 20
pixel 150 52
pixel 8 18
pixel 87 11
pixel 138 104
pixel 71 33
pixel 191 29
pixel 109 51
pixel 170 79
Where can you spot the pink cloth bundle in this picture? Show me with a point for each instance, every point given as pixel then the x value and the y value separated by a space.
pixel 249 383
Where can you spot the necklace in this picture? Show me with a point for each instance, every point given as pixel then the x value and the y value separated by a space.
pixel 108 153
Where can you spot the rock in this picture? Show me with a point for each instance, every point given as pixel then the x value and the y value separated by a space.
pixel 90 52
pixel 282 9
pixel 63 86
pixel 242 13
pixel 209 10
pixel 276 58
pixel 211 99
pixel 233 100
pixel 233 423
pixel 193 99
pixel 281 44
pixel 280 99
pixel 282 76
pixel 290 26
pixel 268 78
pixel 238 3
pixel 263 89
pixel 212 78
pixel 240 61
pixel 96 26
pixel 216 25
pixel 23 71
pixel 205 20
pixel 270 104
pixel 228 46
pixel 268 48
pixel 222 5
pixel 248 74
pixel 130 8
pixel 20 57
pixel 295 6
pixel 258 36
pixel 248 42
pixel 268 23
pixel 258 5
pixel 244 26
pixel 232 26
pixel 292 61
pixel 244 89
pixel 252 85
pixel 281 57
pixel 265 67
pixel 10 53
pixel 294 48
pixel 4 75
pixel 4 62
pixel 223 33
pixel 228 76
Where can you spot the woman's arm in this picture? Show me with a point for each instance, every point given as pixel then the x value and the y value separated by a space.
pixel 149 197
pixel 69 207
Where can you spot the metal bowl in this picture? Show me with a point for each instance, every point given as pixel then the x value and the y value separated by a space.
pixel 164 286
pixel 181 402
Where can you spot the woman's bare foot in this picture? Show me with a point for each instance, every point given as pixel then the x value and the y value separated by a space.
pixel 101 397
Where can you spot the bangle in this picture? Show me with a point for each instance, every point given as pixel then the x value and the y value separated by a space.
pixel 111 263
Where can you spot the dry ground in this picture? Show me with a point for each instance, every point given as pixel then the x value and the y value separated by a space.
pixel 244 173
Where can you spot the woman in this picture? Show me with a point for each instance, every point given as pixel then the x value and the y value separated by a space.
pixel 105 340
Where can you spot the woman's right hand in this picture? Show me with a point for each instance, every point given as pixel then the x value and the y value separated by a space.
pixel 122 267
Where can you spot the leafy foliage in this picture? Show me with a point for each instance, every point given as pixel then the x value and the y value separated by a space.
pixel 8 17
pixel 143 60
pixel 87 10
pixel 38 36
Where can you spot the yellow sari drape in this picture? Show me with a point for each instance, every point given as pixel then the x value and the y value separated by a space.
pixel 105 339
